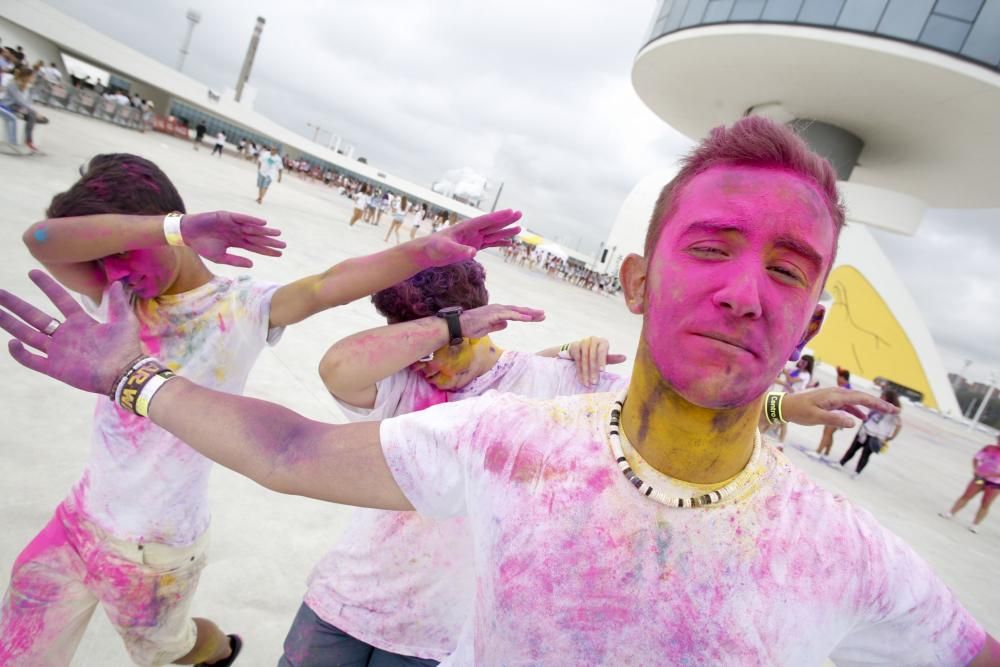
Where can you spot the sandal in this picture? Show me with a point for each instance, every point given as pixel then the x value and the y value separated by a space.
pixel 235 645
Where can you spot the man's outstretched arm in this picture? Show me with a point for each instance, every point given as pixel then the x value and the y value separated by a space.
pixel 271 445
pixel 280 449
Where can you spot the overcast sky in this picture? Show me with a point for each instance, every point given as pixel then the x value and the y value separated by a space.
pixel 534 94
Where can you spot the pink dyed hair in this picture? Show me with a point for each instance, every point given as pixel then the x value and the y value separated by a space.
pixel 753 141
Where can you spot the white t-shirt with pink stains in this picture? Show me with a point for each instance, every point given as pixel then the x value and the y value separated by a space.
pixel 403 582
pixel 141 483
pixel 575 567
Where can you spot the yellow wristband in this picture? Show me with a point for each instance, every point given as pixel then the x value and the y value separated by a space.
pixel 772 407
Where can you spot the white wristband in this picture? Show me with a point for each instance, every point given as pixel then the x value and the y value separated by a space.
pixel 146 395
pixel 172 229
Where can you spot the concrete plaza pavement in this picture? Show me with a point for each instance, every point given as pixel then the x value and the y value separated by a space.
pixel 265 544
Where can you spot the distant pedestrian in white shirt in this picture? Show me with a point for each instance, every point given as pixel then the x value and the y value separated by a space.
pixel 268 169
pixel 220 143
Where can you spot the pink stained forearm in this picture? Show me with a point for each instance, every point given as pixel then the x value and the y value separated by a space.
pixel 343 283
pixel 86 238
pixel 359 277
pixel 356 363
pixel 278 448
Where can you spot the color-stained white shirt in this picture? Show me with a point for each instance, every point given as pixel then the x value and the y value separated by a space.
pixel 403 582
pixel 141 483
pixel 574 567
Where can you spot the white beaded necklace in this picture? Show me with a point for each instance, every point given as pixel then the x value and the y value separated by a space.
pixel 738 483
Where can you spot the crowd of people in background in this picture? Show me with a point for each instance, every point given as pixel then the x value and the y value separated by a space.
pixel 537 258
pixel 371 203
pixel 23 84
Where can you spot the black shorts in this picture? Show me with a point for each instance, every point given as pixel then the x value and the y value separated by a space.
pixel 987 484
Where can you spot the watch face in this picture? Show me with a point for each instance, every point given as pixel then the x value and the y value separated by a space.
pixel 450 310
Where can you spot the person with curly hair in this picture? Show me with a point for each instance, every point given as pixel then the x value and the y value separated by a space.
pixel 132 533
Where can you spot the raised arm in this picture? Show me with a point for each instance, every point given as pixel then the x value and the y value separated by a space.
pixel 358 277
pixel 271 445
pixel 71 247
pixel 352 366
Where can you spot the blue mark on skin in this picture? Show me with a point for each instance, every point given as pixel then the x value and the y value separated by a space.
pixel 41 235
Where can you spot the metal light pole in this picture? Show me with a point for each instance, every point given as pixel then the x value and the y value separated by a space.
pixel 193 18
pixel 986 399
pixel 248 58
pixel 317 129
pixel 497 198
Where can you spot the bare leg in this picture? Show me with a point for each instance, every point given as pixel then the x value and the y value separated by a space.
pixel 989 495
pixel 970 492
pixel 826 440
pixel 211 646
pixel 260 195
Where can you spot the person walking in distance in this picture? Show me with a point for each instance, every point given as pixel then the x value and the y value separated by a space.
pixel 826 440
pixel 875 434
pixel 199 133
pixel 220 143
pixel 985 480
pixel 268 169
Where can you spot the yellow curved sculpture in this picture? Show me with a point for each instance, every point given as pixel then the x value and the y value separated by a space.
pixel 862 335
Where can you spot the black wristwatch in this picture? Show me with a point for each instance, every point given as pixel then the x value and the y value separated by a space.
pixel 451 315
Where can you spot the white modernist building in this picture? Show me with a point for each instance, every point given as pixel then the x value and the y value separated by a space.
pixel 48 34
pixel 902 96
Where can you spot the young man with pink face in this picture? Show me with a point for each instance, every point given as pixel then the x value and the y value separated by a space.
pixel 647 527
pixel 132 532
pixel 397 588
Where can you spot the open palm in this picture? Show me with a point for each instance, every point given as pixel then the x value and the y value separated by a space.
pixel 212 234
pixel 81 352
pixel 465 239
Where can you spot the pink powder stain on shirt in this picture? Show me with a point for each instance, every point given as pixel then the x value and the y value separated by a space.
pixel 222 322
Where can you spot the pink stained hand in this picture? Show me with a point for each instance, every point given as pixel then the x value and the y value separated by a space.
pixel 212 234
pixel 81 352
pixel 464 240
pixel 485 320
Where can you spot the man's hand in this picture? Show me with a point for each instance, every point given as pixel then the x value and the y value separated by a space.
pixel 80 351
pixel 827 407
pixel 484 320
pixel 464 240
pixel 591 356
pixel 212 234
